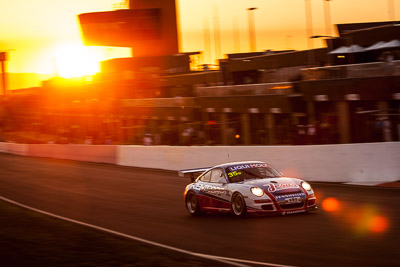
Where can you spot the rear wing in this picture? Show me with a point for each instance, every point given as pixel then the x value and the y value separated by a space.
pixel 192 172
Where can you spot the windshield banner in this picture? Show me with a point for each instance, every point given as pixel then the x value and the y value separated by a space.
pixel 247 166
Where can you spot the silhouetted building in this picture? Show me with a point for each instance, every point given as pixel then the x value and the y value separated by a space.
pixel 263 98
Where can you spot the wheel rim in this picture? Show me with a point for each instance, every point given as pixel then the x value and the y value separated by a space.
pixel 191 203
pixel 238 205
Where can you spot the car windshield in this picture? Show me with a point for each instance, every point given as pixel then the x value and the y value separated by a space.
pixel 241 172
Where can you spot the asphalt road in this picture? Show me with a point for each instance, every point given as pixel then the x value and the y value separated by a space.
pixel 363 230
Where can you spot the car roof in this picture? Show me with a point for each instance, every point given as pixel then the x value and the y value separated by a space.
pixel 224 165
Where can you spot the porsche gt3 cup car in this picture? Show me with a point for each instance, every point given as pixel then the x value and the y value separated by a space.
pixel 247 187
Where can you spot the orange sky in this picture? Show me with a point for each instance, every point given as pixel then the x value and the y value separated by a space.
pixel 32 31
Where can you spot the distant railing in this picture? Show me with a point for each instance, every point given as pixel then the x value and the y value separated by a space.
pixel 283 88
pixel 159 102
pixel 375 69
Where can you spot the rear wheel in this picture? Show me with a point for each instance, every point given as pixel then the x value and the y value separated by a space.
pixel 192 205
pixel 239 205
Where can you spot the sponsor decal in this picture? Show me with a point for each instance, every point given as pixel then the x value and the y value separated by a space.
pixel 196 187
pixel 247 166
pixel 235 173
pixel 299 196
pixel 214 190
pixel 293 200
pixel 210 189
pixel 292 212
pixel 277 187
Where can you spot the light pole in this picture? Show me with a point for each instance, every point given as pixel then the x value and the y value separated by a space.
pixel 252 32
pixel 310 41
pixel 327 12
pixel 391 12
pixel 217 33
pixel 207 42
pixel 236 35
pixel 3 59
pixel 309 31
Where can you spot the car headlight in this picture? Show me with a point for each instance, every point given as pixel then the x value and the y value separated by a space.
pixel 306 186
pixel 257 191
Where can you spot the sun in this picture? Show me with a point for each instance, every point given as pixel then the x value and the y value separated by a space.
pixel 75 60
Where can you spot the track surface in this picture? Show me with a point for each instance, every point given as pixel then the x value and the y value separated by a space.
pixel 149 204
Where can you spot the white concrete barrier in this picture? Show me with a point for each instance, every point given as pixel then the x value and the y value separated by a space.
pixel 351 163
pixel 372 163
pixel 171 157
pixel 13 148
pixel 101 153
pixel 3 147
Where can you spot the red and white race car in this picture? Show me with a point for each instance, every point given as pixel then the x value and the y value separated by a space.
pixel 247 187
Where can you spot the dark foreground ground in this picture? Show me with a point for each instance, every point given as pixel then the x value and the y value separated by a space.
pixel 355 225
pixel 31 239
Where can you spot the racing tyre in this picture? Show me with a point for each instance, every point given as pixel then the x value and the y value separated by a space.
pixel 239 205
pixel 192 205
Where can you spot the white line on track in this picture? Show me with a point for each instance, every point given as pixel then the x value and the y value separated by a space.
pixel 231 261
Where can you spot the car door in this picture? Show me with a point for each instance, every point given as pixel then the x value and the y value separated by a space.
pixel 219 195
pixel 202 186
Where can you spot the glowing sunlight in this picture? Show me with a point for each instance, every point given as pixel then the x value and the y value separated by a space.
pixel 76 60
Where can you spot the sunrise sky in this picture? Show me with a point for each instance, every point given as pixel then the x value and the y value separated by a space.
pixel 40 35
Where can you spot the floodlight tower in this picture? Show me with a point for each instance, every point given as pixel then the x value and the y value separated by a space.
pixel 327 12
pixel 252 31
pixel 309 26
pixel 391 12
pixel 3 59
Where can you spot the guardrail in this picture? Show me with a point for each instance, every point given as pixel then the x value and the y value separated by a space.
pixel 369 163
pixel 375 69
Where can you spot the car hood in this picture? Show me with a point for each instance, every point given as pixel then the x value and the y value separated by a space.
pixel 277 186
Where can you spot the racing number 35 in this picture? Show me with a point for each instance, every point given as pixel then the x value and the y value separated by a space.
pixel 235 173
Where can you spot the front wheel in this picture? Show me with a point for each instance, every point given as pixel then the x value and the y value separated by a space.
pixel 239 205
pixel 192 205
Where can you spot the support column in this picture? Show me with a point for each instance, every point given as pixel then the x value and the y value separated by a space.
pixel 117 128
pixel 223 128
pixel 382 105
pixel 342 109
pixel 245 134
pixel 205 117
pixel 311 112
pixel 181 128
pixel 101 133
pixel 387 135
pixel 271 131
pixel 129 125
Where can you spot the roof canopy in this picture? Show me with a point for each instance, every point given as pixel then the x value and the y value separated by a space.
pixel 348 49
pixel 375 46
pixel 391 44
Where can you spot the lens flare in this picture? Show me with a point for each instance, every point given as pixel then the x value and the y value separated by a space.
pixel 330 204
pixel 378 224
pixel 370 220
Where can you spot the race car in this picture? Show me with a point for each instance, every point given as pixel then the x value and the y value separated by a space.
pixel 246 187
